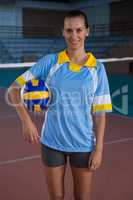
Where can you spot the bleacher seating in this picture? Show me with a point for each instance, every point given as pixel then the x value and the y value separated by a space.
pixel 27 49
pixel 4 54
pixel 20 48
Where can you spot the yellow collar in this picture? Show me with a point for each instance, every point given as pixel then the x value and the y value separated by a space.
pixel 63 58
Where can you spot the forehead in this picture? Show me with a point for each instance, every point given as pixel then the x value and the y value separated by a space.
pixel 74 22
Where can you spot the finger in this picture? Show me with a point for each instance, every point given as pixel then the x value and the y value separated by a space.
pixel 93 166
pixel 35 132
pixel 36 140
pixel 26 137
pixel 96 166
pixel 36 137
pixel 30 138
pixel 90 163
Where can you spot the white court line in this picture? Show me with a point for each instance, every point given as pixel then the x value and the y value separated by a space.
pixel 8 116
pixel 119 141
pixel 121 116
pixel 38 156
pixel 19 160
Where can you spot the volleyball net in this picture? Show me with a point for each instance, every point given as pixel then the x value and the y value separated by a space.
pixel 116 66
pixel 120 76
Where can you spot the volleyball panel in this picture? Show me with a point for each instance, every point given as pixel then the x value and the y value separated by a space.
pixel 35 95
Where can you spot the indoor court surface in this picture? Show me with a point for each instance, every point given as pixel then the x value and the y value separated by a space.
pixel 21 172
pixel 47 33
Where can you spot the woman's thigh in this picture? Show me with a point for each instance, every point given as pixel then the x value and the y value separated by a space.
pixel 82 176
pixel 55 181
pixel 82 179
pixel 54 168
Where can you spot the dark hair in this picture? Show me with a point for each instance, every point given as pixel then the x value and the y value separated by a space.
pixel 77 13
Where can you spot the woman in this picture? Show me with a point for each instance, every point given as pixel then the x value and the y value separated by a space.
pixel 80 99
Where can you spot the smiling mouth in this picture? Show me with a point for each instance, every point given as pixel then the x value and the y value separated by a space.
pixel 74 43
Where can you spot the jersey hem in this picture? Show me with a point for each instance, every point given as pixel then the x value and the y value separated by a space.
pixel 69 149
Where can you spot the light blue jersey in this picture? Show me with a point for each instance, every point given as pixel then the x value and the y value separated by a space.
pixel 77 93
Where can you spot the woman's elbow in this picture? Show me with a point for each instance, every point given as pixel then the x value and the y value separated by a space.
pixel 13 93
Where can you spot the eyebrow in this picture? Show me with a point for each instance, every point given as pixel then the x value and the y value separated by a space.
pixel 75 28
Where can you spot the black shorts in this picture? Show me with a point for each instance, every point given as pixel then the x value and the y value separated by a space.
pixel 53 158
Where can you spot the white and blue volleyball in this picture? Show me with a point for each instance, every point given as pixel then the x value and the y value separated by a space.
pixel 35 95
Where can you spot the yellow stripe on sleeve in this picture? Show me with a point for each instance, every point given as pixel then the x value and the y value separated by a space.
pixel 20 80
pixel 102 107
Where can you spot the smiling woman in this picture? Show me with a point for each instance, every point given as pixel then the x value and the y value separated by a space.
pixel 75 31
pixel 75 120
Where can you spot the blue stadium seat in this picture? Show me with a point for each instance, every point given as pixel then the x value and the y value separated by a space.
pixel 17 49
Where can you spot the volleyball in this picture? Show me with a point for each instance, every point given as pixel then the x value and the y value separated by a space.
pixel 35 95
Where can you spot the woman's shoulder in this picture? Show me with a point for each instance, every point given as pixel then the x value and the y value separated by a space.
pixel 99 63
pixel 50 57
pixel 99 66
pixel 47 60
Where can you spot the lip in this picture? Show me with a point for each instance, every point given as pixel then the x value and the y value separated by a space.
pixel 74 43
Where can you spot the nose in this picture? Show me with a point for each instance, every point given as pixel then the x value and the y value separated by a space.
pixel 74 34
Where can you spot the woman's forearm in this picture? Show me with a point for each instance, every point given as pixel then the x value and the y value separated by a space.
pixel 30 131
pixel 99 128
pixel 14 94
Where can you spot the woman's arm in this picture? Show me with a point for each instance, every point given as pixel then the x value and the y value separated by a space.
pixel 99 129
pixel 30 132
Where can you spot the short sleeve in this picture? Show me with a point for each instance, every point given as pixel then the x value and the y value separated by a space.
pixel 102 98
pixel 38 70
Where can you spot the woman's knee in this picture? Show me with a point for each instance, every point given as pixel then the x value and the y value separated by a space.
pixel 56 196
pixel 55 182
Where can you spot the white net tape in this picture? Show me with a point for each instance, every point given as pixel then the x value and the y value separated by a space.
pixel 22 65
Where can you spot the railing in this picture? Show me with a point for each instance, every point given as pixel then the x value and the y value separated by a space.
pixel 117 29
pixel 18 44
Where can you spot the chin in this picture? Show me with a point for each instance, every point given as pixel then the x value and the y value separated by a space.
pixel 74 47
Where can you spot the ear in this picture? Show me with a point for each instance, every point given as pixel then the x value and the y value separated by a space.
pixel 87 32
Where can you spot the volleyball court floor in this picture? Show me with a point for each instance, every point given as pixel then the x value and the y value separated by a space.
pixel 21 172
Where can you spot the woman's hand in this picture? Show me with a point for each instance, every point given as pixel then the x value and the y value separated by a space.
pixel 95 160
pixel 30 132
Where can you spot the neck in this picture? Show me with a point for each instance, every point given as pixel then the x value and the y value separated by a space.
pixel 77 56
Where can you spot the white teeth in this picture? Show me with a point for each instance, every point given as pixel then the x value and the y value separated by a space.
pixel 74 42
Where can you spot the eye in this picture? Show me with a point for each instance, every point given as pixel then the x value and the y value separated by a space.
pixel 69 30
pixel 79 30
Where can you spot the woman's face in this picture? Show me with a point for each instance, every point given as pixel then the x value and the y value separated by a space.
pixel 75 32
